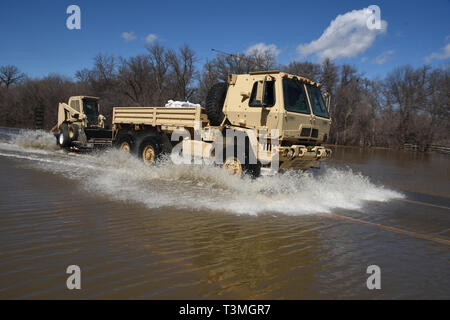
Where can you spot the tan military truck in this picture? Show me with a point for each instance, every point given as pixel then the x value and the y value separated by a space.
pixel 262 121
pixel 80 125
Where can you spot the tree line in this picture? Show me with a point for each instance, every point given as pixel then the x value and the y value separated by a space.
pixel 410 105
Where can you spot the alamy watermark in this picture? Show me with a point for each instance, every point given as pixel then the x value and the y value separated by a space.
pixel 74 20
pixel 244 145
pixel 74 280
pixel 374 280
pixel 374 20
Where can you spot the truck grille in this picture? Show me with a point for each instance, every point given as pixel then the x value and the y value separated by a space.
pixel 305 132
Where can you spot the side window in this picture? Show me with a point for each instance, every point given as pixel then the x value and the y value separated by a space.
pixel 253 102
pixel 75 104
pixel 318 104
pixel 269 95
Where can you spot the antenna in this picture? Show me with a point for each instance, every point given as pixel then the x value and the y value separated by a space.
pixel 223 52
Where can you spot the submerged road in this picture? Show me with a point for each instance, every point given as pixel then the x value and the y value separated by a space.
pixel 195 232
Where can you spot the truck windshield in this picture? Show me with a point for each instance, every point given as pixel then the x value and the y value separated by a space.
pixel 295 96
pixel 90 109
pixel 317 102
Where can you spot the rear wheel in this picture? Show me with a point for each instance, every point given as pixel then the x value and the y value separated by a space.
pixel 149 150
pixel 125 143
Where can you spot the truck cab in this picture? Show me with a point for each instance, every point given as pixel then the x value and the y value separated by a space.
pixel 275 100
pixel 292 105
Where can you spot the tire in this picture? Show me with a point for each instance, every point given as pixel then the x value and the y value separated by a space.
pixel 235 165
pixel 63 138
pixel 149 150
pixel 73 132
pixel 125 143
pixel 214 103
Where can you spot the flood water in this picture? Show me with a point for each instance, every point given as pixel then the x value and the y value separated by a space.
pixel 193 232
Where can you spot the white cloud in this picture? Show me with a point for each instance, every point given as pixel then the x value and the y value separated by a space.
pixel 442 54
pixel 261 48
pixel 383 57
pixel 128 36
pixel 346 37
pixel 150 38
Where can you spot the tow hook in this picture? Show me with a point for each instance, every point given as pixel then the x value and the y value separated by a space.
pixel 320 153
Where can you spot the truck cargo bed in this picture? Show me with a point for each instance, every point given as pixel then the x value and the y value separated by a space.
pixel 160 116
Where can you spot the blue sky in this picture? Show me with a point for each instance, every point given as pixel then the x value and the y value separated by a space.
pixel 34 36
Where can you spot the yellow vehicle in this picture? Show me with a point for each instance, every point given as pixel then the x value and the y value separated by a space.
pixel 256 122
pixel 277 121
pixel 80 126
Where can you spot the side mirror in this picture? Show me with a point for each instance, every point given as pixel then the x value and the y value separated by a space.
pixel 245 95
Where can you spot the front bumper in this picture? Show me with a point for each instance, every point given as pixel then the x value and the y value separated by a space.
pixel 301 157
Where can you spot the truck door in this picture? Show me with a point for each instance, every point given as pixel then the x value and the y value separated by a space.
pixel 263 97
pixel 298 118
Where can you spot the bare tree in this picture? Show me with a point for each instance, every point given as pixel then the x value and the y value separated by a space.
pixel 329 75
pixel 135 76
pixel 265 59
pixel 10 75
pixel 183 67
pixel 305 69
pixel 104 67
pixel 348 97
pixel 208 78
pixel 406 91
pixel 160 68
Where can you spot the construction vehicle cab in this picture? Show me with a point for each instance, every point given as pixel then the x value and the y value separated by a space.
pixel 82 110
pixel 80 124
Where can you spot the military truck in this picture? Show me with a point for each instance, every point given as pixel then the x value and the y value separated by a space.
pixel 80 125
pixel 253 123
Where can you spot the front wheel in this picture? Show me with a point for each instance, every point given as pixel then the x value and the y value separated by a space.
pixel 63 137
pixel 73 131
pixel 234 165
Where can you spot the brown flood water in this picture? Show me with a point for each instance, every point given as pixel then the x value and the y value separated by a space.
pixel 192 232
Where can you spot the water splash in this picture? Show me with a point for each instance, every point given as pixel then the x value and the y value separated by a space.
pixel 120 176
pixel 35 139
pixel 196 187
